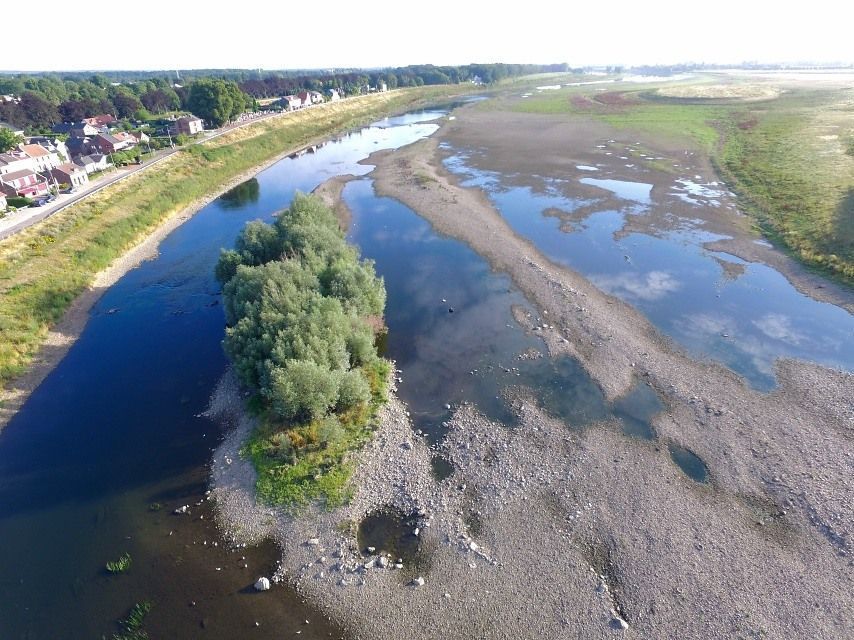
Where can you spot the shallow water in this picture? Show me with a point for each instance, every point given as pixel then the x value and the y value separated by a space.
pixel 690 463
pixel 390 532
pixel 113 429
pixel 744 315
pixel 475 353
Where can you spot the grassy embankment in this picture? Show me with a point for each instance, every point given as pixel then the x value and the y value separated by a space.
pixel 789 158
pixel 44 268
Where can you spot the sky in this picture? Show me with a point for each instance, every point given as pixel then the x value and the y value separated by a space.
pixel 190 34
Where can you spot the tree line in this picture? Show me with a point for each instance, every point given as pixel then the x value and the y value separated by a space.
pixel 42 100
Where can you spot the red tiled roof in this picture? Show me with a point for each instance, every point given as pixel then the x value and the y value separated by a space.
pixel 35 150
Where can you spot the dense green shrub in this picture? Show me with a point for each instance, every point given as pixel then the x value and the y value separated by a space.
pixel 18 202
pixel 301 308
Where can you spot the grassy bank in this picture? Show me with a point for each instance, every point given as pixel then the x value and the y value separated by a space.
pixel 44 268
pixel 788 157
pixel 790 168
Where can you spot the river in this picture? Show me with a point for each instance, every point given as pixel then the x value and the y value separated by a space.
pixel 111 443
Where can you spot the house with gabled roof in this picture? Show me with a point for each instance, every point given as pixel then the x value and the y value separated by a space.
pixel 24 183
pixel 188 125
pixel 43 159
pixel 15 160
pixel 70 174
pixel 108 143
pixel 103 120
pixel 92 163
pixel 54 145
pixel 291 102
pixel 124 136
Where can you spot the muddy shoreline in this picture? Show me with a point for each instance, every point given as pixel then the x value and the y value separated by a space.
pixel 590 533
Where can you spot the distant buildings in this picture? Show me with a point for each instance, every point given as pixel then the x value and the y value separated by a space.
pixel 188 126
pixel 70 174
pixel 26 183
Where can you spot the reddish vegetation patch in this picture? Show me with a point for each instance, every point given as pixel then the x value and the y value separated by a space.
pixel 615 99
pixel 582 102
pixel 747 125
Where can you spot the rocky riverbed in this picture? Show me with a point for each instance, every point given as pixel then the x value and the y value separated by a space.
pixel 547 531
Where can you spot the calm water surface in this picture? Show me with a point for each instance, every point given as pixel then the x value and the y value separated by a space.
pixel 112 433
pixel 745 315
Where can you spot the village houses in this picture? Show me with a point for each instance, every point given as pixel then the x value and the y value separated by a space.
pixel 70 174
pixel 188 126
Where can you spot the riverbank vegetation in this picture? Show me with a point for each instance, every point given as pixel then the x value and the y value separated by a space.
pixel 302 312
pixel 131 627
pixel 121 565
pixel 45 267
pixel 785 152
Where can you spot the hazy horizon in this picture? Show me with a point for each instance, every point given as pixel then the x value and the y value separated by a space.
pixel 376 34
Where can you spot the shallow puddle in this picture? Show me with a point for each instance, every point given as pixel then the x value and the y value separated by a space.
pixel 634 191
pixel 690 463
pixel 390 532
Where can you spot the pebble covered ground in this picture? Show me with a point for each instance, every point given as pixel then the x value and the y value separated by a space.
pixel 547 531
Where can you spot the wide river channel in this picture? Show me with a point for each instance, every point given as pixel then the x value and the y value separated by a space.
pixel 112 442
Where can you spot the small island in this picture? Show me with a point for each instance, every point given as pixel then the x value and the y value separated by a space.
pixel 303 311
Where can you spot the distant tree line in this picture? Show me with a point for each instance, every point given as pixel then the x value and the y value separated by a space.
pixel 302 310
pixel 42 100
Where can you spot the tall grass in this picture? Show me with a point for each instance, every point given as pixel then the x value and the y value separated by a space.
pixel 44 268
pixel 796 181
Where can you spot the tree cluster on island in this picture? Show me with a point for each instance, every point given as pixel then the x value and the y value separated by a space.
pixel 302 313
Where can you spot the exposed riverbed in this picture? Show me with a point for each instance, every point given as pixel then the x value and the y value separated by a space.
pixel 549 464
pixel 632 487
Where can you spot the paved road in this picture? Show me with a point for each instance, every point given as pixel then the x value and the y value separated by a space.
pixel 12 223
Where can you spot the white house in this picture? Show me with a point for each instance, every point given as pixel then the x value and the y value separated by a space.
pixel 70 174
pixel 54 145
pixel 43 159
pixel 16 161
pixel 92 163
pixel 291 102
